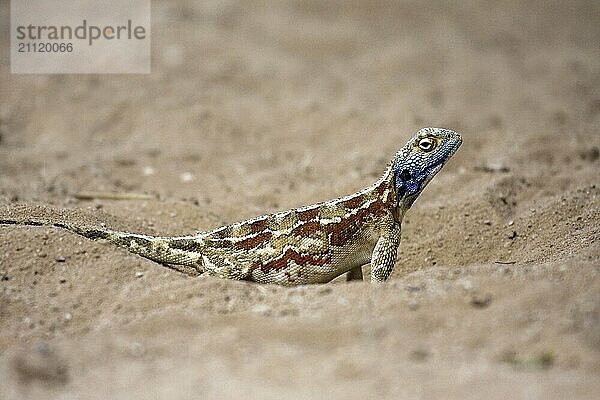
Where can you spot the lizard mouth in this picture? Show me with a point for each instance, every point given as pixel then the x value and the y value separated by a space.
pixel 431 173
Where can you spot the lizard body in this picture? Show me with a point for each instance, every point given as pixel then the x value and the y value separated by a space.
pixel 311 244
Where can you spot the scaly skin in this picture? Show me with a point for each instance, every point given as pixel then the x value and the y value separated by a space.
pixel 311 244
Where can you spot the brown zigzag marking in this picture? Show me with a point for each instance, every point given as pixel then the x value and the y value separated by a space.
pixel 343 231
pixel 354 202
pixel 300 259
pixel 256 265
pixel 309 214
pixel 381 189
pixel 259 225
pixel 253 242
pixel 306 228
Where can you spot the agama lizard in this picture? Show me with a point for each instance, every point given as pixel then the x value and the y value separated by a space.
pixel 311 244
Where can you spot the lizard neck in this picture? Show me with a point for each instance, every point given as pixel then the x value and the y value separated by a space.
pixel 378 198
pixel 385 188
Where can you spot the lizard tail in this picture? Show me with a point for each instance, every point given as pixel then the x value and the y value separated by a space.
pixel 155 248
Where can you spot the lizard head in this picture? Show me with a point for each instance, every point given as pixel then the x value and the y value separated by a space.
pixel 419 160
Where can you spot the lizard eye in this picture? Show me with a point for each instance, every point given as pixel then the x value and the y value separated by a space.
pixel 427 144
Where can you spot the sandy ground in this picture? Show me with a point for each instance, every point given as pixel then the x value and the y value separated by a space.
pixel 263 106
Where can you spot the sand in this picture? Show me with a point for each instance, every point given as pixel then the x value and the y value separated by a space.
pixel 256 107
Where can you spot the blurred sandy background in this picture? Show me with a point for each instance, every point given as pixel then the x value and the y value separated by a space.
pixel 260 106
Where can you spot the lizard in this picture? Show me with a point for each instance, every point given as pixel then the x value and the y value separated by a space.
pixel 306 245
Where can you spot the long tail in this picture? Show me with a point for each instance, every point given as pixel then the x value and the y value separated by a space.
pixel 165 250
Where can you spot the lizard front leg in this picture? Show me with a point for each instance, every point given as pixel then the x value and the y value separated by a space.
pixel 384 254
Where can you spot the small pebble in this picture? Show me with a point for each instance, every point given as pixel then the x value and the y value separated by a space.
pixel 466 284
pixel 262 309
pixel 481 300
pixel 60 259
pixel 487 222
pixel 511 222
pixel 186 177
pixel 68 316
pixel 419 355
pixel 148 170
pixel 139 274
pixel 43 348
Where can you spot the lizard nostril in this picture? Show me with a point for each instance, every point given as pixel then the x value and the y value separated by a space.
pixel 405 175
